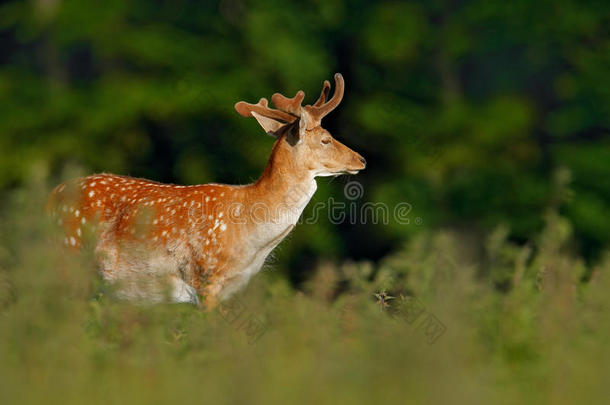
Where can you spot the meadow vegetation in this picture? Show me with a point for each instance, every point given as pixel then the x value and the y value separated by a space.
pixel 513 324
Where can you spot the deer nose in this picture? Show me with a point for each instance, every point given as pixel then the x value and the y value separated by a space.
pixel 363 160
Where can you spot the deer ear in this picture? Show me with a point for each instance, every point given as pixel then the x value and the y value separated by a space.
pixel 270 125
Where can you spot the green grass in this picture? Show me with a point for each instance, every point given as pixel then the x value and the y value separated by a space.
pixel 520 326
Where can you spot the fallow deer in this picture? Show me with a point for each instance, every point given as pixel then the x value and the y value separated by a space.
pixel 206 240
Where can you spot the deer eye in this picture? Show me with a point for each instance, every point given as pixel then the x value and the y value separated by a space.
pixel 325 141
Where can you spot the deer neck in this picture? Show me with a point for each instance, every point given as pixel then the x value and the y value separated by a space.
pixel 283 190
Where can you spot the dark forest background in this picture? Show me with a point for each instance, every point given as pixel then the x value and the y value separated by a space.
pixel 466 110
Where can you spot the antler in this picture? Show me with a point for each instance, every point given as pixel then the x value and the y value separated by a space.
pixel 262 108
pixel 324 94
pixel 291 105
pixel 321 108
pixel 289 109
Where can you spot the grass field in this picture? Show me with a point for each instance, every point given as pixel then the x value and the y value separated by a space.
pixel 491 323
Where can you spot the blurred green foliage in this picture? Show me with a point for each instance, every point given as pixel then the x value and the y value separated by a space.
pixel 462 109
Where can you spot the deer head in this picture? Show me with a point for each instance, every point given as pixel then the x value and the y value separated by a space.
pixel 312 147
